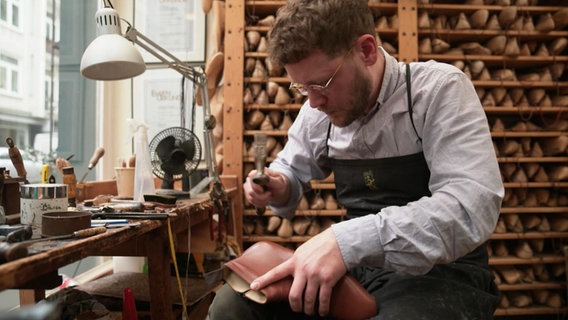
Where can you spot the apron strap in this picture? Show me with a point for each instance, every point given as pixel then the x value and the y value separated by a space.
pixel 409 96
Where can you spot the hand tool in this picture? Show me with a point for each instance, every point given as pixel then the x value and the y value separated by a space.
pixel 99 152
pixel 71 181
pixel 259 147
pixel 16 233
pixel 17 159
pixel 130 215
pixel 10 252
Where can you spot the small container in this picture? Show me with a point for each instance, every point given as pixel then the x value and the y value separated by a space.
pixel 37 199
pixel 59 223
pixel 71 181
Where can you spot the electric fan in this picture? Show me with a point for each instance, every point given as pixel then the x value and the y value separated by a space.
pixel 175 153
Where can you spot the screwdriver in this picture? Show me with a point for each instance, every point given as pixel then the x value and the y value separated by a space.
pixel 99 152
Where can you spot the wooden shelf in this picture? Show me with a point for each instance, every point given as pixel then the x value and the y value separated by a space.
pixel 532 159
pixel 483 35
pixel 532 310
pixel 529 235
pixel 310 213
pixel 532 286
pixel 536 184
pixel 496 61
pixel 525 210
pixel 544 258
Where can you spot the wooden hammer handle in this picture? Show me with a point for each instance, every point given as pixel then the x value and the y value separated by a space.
pixel 99 152
pixel 16 158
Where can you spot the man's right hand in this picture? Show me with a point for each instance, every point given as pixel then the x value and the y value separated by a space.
pixel 276 191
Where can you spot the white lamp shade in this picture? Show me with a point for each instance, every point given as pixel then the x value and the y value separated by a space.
pixel 111 57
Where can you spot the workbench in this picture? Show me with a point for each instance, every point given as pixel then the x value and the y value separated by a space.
pixel 149 239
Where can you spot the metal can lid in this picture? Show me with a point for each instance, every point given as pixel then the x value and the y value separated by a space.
pixel 43 191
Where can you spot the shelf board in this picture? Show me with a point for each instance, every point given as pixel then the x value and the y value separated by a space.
pixel 524 110
pixel 272 106
pixel 533 310
pixel 481 34
pixel 525 210
pixel 300 213
pixel 442 8
pixel 537 285
pixel 527 134
pixel 520 84
pixel 266 80
pixel 535 184
pixel 531 159
pixel 277 133
pixel 511 62
pixel 511 260
pixel 529 235
pixel 295 239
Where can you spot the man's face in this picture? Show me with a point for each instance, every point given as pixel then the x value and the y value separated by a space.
pixel 346 96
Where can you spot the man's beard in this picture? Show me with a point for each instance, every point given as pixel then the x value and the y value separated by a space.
pixel 358 103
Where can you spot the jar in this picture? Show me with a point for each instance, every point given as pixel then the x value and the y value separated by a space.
pixel 37 199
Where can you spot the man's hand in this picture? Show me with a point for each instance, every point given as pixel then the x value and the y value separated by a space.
pixel 275 191
pixel 316 266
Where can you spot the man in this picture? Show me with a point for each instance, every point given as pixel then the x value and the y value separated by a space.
pixel 418 177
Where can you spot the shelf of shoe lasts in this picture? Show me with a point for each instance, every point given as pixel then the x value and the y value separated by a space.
pixel 549 257
pixel 254 10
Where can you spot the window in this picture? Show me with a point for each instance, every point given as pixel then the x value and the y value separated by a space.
pixel 10 12
pixel 9 71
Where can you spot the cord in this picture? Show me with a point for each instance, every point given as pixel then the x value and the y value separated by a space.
pixel 178 279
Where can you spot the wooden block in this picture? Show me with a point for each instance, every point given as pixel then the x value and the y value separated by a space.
pixel 91 189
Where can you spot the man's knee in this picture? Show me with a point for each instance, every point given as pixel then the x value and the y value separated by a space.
pixel 227 304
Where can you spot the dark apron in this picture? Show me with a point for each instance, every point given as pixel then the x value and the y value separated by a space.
pixel 465 288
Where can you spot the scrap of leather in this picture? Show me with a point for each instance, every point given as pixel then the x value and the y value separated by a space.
pixel 349 300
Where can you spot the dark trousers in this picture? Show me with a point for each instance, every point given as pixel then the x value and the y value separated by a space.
pixel 456 291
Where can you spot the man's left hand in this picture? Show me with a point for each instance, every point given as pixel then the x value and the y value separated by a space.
pixel 316 266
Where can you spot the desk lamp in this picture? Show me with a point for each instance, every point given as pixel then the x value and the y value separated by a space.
pixel 113 56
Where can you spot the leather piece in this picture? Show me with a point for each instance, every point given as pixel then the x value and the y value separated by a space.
pixel 349 299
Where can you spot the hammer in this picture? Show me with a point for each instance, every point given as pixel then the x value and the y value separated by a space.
pixel 259 147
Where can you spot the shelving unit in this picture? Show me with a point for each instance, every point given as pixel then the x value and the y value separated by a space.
pixel 544 272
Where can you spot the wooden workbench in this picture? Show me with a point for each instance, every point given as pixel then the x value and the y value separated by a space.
pixel 150 239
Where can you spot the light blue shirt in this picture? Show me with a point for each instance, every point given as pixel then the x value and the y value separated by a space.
pixel 465 180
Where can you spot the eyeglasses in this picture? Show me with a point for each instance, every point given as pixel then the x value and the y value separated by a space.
pixel 303 89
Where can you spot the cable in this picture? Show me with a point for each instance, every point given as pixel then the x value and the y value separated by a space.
pixel 178 279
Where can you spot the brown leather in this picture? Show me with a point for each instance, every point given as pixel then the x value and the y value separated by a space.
pixel 349 300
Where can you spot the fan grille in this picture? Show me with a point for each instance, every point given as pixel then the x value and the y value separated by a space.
pixel 166 148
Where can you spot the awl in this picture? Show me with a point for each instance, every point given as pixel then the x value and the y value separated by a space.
pixel 99 152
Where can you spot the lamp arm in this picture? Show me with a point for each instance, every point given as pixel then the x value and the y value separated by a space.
pixel 199 78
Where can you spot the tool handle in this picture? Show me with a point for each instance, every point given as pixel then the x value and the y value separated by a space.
pixel 99 152
pixel 260 179
pixel 11 252
pixel 16 158
pixel 88 232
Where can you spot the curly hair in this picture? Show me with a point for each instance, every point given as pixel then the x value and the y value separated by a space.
pixel 303 26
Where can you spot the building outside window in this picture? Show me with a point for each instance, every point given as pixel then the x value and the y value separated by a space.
pixel 10 12
pixel 9 70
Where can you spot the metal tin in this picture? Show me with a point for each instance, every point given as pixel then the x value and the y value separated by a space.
pixel 43 191
pixel 59 223
pixel 37 199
